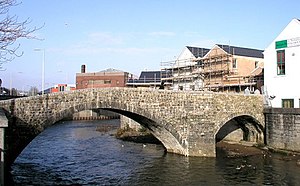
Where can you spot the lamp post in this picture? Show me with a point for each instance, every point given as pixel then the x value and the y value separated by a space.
pixel 43 68
pixel 20 92
pixel 10 84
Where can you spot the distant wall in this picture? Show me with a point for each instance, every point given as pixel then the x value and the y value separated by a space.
pixel 97 114
pixel 283 128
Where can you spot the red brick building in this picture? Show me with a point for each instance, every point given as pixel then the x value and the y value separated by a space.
pixel 62 88
pixel 106 78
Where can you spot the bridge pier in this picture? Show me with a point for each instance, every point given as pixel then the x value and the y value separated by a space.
pixel 3 125
pixel 202 145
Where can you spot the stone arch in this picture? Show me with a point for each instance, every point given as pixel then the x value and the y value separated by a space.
pixel 157 129
pixel 252 130
pixel 157 126
pixel 141 115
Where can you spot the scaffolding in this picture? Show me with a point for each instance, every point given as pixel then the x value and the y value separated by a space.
pixel 180 73
pixel 217 71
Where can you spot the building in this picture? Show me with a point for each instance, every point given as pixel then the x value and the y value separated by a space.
pixel 150 79
pixel 182 73
pixel 282 66
pixel 221 68
pixel 231 69
pixel 62 88
pixel 106 78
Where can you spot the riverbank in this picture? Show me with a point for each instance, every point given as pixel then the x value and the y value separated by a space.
pixel 237 149
pixel 142 136
pixel 228 150
pixel 224 148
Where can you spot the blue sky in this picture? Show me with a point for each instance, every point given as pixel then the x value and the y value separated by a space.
pixel 135 35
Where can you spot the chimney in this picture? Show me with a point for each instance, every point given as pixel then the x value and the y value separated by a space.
pixel 82 68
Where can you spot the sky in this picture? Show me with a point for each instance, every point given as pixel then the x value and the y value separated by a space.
pixel 134 35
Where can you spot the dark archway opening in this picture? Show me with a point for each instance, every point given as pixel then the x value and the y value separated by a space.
pixel 135 128
pixel 71 151
pixel 143 133
pixel 158 130
pixel 239 137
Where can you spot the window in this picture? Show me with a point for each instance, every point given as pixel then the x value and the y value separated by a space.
pixel 98 82
pixel 287 103
pixel 280 62
pixel 192 87
pixel 256 64
pixel 234 63
pixel 107 81
pixel 61 88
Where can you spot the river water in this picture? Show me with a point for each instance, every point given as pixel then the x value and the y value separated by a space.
pixel 74 153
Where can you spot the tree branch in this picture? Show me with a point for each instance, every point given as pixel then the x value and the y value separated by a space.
pixel 11 29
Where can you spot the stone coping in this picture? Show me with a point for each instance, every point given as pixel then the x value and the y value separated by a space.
pixel 136 90
pixel 282 111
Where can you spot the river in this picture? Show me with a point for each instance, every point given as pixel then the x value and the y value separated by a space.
pixel 74 153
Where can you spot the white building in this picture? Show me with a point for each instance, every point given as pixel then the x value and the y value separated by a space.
pixel 282 68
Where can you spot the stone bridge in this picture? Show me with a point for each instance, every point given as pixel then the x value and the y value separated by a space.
pixel 187 123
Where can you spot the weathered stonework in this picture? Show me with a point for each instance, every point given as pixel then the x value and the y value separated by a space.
pixel 3 125
pixel 283 128
pixel 96 114
pixel 127 123
pixel 186 123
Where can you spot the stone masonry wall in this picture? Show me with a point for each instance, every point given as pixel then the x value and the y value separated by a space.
pixel 212 111
pixel 98 114
pixel 126 122
pixel 283 128
pixel 186 122
pixel 3 125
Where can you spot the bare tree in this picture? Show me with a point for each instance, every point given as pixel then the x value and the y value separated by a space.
pixel 11 29
pixel 33 91
pixel 13 92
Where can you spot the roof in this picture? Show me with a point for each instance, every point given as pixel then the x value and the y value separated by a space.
pixel 147 77
pixel 150 75
pixel 198 52
pixel 240 51
pixel 257 71
pixel 111 70
pixel 291 30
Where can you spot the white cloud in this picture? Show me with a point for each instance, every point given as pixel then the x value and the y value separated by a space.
pixel 104 38
pixel 192 34
pixel 162 34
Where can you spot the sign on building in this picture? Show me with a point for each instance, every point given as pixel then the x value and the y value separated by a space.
pixel 294 42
